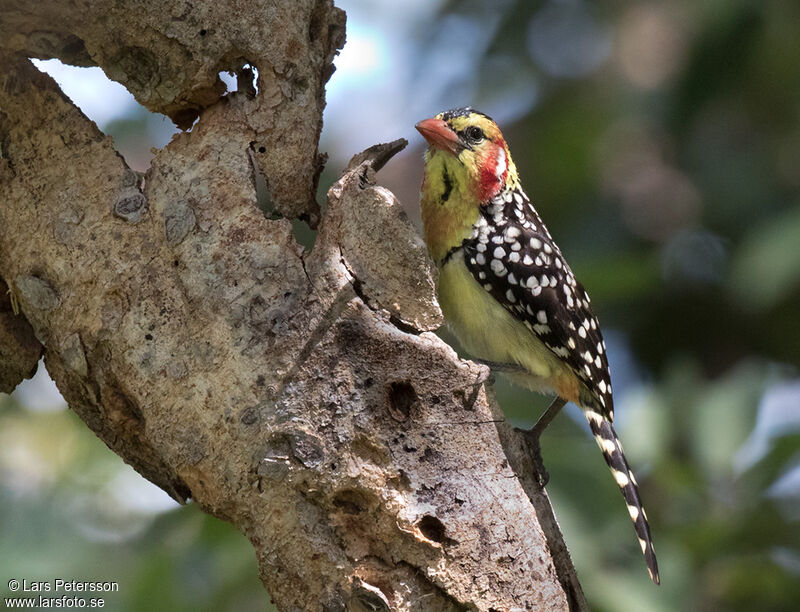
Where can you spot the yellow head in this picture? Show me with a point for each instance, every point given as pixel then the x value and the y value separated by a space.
pixel 467 163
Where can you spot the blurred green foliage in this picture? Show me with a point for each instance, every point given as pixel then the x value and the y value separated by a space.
pixel 660 141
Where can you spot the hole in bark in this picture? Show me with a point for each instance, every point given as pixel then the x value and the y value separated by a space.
pixel 349 501
pixel 432 528
pixel 370 597
pixel 241 79
pixel 229 78
pixel 402 398
pixel 248 79
pixel 203 32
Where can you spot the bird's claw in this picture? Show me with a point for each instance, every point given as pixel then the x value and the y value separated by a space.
pixel 534 447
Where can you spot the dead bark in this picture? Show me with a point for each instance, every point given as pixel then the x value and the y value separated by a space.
pixel 300 396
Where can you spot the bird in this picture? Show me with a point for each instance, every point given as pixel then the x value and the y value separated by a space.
pixel 507 292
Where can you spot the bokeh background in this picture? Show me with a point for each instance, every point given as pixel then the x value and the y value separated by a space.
pixel 660 141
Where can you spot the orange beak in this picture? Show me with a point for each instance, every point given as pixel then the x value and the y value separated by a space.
pixel 439 135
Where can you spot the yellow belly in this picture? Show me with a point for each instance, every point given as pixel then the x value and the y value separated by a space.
pixel 490 332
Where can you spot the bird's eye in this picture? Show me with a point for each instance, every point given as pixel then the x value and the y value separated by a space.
pixel 474 133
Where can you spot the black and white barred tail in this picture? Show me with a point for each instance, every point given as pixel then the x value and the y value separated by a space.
pixel 609 443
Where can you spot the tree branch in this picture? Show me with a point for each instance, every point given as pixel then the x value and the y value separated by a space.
pixel 20 351
pixel 299 396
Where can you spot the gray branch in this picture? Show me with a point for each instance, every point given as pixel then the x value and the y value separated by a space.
pixel 301 396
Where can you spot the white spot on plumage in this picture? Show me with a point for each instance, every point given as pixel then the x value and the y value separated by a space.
pixel 594 417
pixel 499 253
pixel 510 296
pixel 517 197
pixel 541 329
pixel 543 281
pixel 587 370
pixel 600 348
pixel 498 267
pixel 527 260
pixel 488 286
pixel 597 363
pixel 538 260
pixel 621 478
pixel 480 259
pixel 512 279
pixel 541 316
pixel 558 263
pixel 497 239
pixel 547 248
pixel 588 357
pixel 581 332
pixel 602 386
pixel 536 243
pixel 643 544
pixel 536 291
pixel 511 234
pixel 634 512
pixel 482 275
pixel 571 343
pixel 481 247
pixel 607 446
pixel 513 256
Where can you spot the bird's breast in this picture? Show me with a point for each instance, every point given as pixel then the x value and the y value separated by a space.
pixel 489 332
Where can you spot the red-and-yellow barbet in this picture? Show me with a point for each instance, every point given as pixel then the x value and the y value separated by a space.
pixel 506 290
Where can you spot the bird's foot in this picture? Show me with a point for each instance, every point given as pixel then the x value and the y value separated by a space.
pixel 531 437
pixel 486 376
pixel 503 368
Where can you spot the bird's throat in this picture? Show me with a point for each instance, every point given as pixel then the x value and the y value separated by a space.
pixel 449 209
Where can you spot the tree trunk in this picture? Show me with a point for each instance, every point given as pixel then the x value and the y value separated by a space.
pixel 300 396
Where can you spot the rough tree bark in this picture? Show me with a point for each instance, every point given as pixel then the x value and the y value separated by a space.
pixel 300 396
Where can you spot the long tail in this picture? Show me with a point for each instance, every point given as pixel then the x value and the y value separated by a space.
pixel 609 443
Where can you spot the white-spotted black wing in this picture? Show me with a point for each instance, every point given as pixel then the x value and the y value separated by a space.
pixel 512 255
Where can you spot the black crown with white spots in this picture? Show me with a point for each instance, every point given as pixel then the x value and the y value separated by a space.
pixel 513 257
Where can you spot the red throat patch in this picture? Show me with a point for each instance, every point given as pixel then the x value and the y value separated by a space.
pixel 493 172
